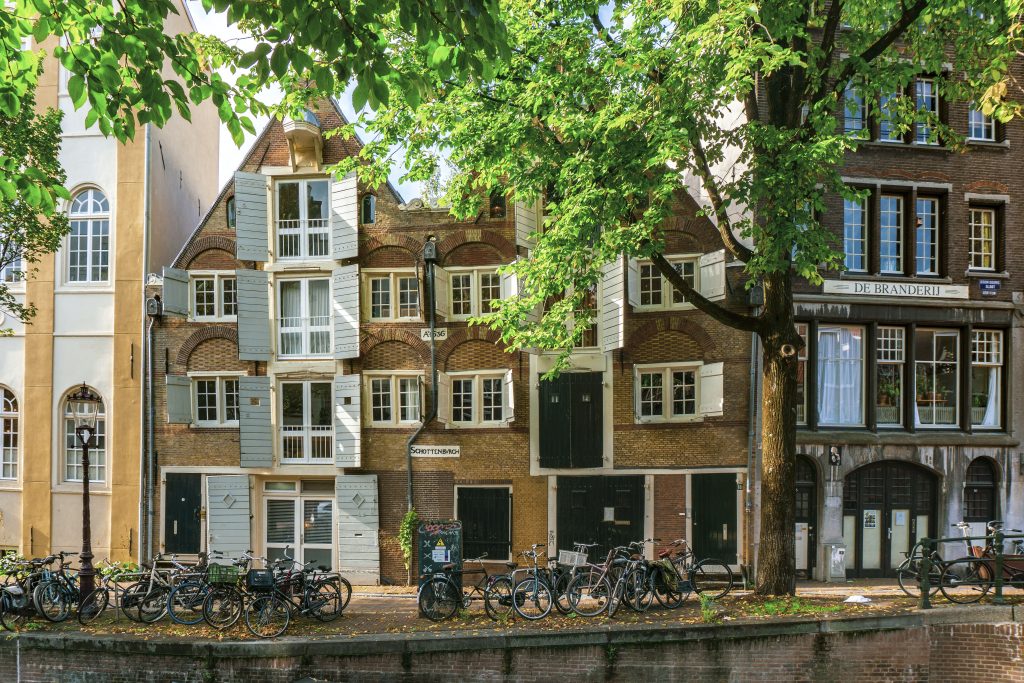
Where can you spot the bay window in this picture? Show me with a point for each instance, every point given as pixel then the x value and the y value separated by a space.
pixel 394 399
pixel 890 349
pixel 304 327
pixel 840 375
pixel 936 374
pixel 303 219
pixel 307 431
pixel 986 377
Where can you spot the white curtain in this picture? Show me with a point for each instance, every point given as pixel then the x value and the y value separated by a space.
pixel 319 300
pixel 991 418
pixel 840 376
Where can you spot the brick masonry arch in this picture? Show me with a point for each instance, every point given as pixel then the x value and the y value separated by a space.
pixel 369 340
pixel 201 335
pixel 459 336
pixel 391 240
pixel 204 244
pixel 469 235
pixel 678 324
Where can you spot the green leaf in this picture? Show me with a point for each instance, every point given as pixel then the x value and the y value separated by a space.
pixel 76 89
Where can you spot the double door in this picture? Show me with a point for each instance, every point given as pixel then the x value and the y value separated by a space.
pixel 302 525
pixel 608 511
pixel 571 418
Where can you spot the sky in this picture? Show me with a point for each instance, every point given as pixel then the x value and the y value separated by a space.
pixel 230 155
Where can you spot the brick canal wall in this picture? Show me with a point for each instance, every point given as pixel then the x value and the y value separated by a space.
pixel 945 645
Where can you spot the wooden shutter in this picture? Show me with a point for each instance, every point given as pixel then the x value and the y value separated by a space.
pixel 509 283
pixel 347 421
pixel 633 282
pixel 256 439
pixel 179 400
pixel 613 305
pixel 712 275
pixel 253 314
pixel 527 216
pixel 176 291
pixel 510 397
pixel 345 217
pixel 227 514
pixel 251 216
pixel 346 311
pixel 711 389
pixel 358 528
pixel 441 285
pixel 444 398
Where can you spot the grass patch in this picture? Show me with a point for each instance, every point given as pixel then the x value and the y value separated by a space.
pixel 784 606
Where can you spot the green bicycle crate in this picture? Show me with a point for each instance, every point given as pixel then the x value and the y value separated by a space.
pixel 222 574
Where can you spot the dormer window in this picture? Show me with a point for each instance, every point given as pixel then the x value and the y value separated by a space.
pixel 368 210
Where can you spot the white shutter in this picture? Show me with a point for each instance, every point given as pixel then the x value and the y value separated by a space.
pixel 636 395
pixel 346 311
pixel 345 217
pixel 255 435
pixel 347 421
pixel 711 389
pixel 510 397
pixel 712 275
pixel 175 294
pixel 527 223
pixel 227 514
pixel 251 216
pixel 253 298
pixel 509 285
pixel 633 282
pixel 179 399
pixel 358 528
pixel 613 305
pixel 441 284
pixel 444 398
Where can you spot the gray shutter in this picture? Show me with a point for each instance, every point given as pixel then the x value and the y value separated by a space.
pixel 510 397
pixel 526 223
pixel 253 314
pixel 444 396
pixel 256 439
pixel 347 421
pixel 227 514
pixel 613 305
pixel 441 289
pixel 711 389
pixel 175 294
pixel 358 528
pixel 633 282
pixel 250 216
pixel 179 400
pixel 346 311
pixel 712 275
pixel 345 217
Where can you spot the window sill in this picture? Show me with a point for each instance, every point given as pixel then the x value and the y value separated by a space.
pixel 900 436
pixel 987 274
pixel 670 421
pixel 213 426
pixel 76 487
pixel 226 319
pixel 989 144
pixel 98 288
pixel 477 425
pixel 286 265
pixel 316 358
pixel 911 279
pixel 664 309
pixel 393 425
pixel 901 144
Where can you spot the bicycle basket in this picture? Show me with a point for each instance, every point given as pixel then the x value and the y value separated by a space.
pixel 572 558
pixel 222 574
pixel 259 579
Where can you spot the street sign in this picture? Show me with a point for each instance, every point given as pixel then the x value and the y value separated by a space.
pixel 989 287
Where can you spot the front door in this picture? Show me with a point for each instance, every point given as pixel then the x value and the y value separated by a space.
pixel 714 516
pixel 806 515
pixel 183 498
pixel 608 511
pixel 303 526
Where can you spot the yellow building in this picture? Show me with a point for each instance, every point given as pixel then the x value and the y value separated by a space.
pixel 133 205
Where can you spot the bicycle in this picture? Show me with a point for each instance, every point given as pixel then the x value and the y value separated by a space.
pixel 908 574
pixel 16 594
pixel 591 592
pixel 57 591
pixel 532 596
pixel 440 596
pixel 95 603
pixel 309 591
pixel 708 576
pixel 185 601
pixel 977 572
pixel 224 603
pixel 564 570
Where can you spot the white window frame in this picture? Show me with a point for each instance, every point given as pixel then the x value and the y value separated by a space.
pixel 893 135
pixel 304 227
pixel 986 124
pixel 221 407
pixel 306 429
pixel 93 220
pixel 395 378
pixel 97 455
pixel 862 240
pixel 988 350
pixel 477 377
pixel 668 298
pixel 891 350
pixel 219 277
pixel 476 305
pixel 923 131
pixel 977 242
pixel 898 227
pixel 803 329
pixel 393 277
pixel 934 363
pixel 863 360
pixel 854 110
pixel 936 228
pixel 10 431
pixel 666 370
pixel 306 328
pixel 14 273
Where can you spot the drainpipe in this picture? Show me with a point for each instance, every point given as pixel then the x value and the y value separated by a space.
pixel 429 259
pixel 147 377
pixel 150 417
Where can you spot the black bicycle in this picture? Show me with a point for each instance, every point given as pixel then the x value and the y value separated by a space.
pixel 442 593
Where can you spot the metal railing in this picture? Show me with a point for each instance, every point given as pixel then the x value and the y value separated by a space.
pixel 994 541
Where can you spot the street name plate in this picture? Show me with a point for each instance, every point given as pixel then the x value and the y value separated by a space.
pixel 436 451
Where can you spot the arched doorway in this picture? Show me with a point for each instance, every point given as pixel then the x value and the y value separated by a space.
pixel 806 515
pixel 887 507
pixel 980 499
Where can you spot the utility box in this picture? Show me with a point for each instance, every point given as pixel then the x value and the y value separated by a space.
pixel 440 543
pixel 834 561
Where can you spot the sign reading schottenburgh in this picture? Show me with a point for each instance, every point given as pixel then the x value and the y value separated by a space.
pixel 897 289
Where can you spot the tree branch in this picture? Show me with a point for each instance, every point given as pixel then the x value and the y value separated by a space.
pixel 738 249
pixel 723 315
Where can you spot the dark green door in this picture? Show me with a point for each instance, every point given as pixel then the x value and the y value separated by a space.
pixel 571 418
pixel 608 511
pixel 182 501
pixel 714 516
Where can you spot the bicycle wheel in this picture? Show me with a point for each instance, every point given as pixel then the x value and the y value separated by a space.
pixel 93 605
pixel 639 594
pixel 908 575
pixel 222 607
pixel 185 602
pixel 10 615
pixel 588 593
pixel 966 580
pixel 131 597
pixel 345 590
pixel 324 600
pixel 669 591
pixel 712 578
pixel 531 598
pixel 267 616
pixel 439 599
pixel 560 591
pixel 498 598
pixel 51 601
pixel 153 605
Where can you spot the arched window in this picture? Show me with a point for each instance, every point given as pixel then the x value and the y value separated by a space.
pixel 89 242
pixel 368 213
pixel 73 447
pixel 497 209
pixel 230 207
pixel 980 491
pixel 8 434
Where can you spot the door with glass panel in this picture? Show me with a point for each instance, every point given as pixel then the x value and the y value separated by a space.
pixel 304 323
pixel 304 526
pixel 307 428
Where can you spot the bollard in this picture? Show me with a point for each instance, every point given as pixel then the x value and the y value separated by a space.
pixel 998 542
pixel 926 569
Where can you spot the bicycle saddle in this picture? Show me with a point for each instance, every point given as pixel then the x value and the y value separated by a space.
pixel 664 553
pixel 511 565
pixel 448 566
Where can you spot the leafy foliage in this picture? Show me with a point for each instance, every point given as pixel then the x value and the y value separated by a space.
pixel 407 536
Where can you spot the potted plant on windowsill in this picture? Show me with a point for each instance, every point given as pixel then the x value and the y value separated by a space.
pixel 889 393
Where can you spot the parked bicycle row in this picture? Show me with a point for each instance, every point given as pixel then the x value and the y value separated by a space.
pixel 216 590
pixel 572 585
pixel 967 578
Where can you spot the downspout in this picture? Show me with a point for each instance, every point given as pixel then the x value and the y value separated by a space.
pixel 429 258
pixel 151 410
pixel 147 379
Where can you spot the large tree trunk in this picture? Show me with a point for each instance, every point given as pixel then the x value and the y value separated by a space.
pixel 776 571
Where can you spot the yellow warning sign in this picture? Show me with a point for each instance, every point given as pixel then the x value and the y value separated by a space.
pixel 440 542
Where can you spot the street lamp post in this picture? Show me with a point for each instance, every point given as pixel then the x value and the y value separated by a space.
pixel 85 406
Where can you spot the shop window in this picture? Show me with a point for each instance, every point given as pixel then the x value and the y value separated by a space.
pixel 937 377
pixel 890 355
pixel 840 375
pixel 486 516
pixel 980 491
pixel 986 378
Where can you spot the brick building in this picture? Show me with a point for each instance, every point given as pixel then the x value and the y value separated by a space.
pixel 293 367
